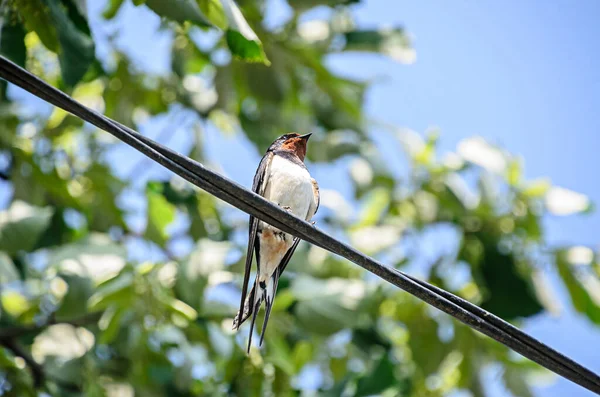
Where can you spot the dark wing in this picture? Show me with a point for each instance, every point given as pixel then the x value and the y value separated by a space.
pixel 257 187
pixel 314 206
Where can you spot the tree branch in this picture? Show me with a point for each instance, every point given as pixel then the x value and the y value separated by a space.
pixel 37 371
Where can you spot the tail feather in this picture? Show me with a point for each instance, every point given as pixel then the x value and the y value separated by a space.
pixel 248 309
pixel 269 294
pixel 257 302
pixel 253 303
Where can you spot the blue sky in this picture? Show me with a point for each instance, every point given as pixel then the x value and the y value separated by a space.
pixel 525 75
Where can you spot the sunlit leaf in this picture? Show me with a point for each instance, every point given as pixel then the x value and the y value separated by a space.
pixel 241 39
pixel 582 284
pixel 21 226
pixel 561 201
pixel 537 188
pixel 179 11
pixel 326 307
pixel 303 352
pixel 213 10
pixel 160 214
pixel 64 341
pixel 516 384
pixel 39 20
pixel 8 271
pixel 514 172
pixel 374 239
pixel 14 302
pixel 477 151
pixel 96 257
pixel 377 201
pixel 118 291
pixel 182 309
pixel 112 8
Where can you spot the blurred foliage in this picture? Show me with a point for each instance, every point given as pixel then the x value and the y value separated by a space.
pixel 93 321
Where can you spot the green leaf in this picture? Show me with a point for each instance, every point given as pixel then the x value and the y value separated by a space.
pixel 15 375
pixel 138 2
pixel 96 257
pixel 76 52
pixel 279 354
pixel 14 302
pixel 326 307
pixel 21 226
pixel 118 291
pixel 182 309
pixel 394 43
pixel 583 287
pixel 110 323
pixel 186 58
pixel 12 40
pixel 208 257
pixel 561 201
pixel 8 271
pixel 498 270
pixel 58 232
pixel 179 11
pixel 381 378
pixel 241 39
pixel 245 49
pixel 213 9
pixel 74 303
pixel 514 173
pixel 112 8
pixel 537 188
pixel 308 4
pixel 64 342
pixel 377 202
pixel 515 381
pixel 303 353
pixel 160 214
pixel 37 18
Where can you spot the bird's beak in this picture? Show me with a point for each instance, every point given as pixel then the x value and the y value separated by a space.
pixel 306 136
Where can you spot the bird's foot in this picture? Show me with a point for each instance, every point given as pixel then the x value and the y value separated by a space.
pixel 287 208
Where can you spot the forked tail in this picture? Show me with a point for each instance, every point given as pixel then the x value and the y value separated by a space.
pixel 253 303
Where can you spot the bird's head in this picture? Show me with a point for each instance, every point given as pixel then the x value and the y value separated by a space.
pixel 293 143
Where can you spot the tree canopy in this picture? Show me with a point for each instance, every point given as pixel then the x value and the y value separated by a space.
pixel 80 315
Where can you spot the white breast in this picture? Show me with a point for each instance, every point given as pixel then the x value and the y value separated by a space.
pixel 289 185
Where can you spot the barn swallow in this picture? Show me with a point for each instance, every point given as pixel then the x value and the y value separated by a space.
pixel 283 179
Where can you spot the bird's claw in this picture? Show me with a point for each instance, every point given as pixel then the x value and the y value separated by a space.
pixel 287 208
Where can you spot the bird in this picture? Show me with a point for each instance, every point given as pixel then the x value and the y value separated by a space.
pixel 283 179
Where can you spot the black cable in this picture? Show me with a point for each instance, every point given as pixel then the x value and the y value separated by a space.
pixel 259 207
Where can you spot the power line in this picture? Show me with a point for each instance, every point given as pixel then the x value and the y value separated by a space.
pixel 236 195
